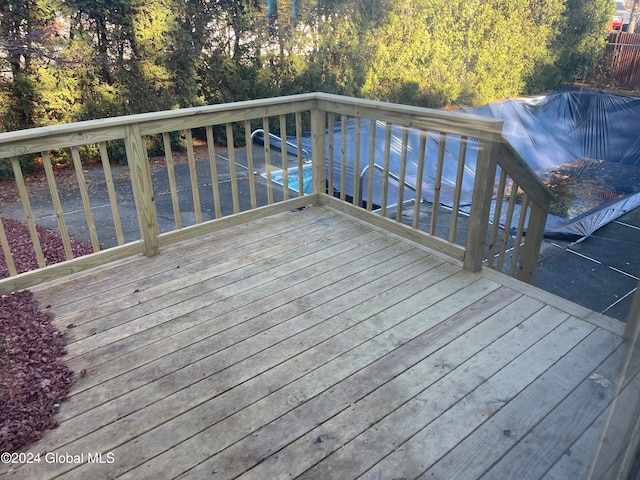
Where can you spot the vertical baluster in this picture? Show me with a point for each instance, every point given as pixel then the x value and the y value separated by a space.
pixel 300 154
pixel 113 198
pixel 385 169
pixel 267 159
pixel 516 246
pixel 84 194
pixel 213 165
pixel 172 180
pixel 493 240
pixel 372 159
pixel 356 165
pixel 343 157
pixel 331 151
pixel 422 150
pixel 194 177
pixel 6 250
pixel 249 149
pixel 403 172
pixel 533 240
pixel 26 207
pixel 57 205
pixel 231 151
pixel 462 154
pixel 437 184
pixel 285 157
pixel 319 138
pixel 507 224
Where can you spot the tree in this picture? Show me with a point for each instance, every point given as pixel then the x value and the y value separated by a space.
pixel 27 39
pixel 435 53
pixel 581 38
pixel 66 60
pixel 634 7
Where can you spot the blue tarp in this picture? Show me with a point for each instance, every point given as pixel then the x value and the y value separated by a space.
pixel 584 144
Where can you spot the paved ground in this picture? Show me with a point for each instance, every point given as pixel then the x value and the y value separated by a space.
pixel 101 208
pixel 600 272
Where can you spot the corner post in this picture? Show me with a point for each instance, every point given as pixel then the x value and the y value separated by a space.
pixel 481 200
pixel 318 128
pixel 142 189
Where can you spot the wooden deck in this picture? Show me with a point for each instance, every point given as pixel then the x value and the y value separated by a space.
pixel 311 345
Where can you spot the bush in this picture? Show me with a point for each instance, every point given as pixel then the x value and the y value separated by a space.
pixel 27 164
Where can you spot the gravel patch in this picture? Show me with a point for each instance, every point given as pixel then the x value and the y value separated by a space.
pixel 33 378
pixel 24 255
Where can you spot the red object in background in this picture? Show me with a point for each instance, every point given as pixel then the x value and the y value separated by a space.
pixel 616 23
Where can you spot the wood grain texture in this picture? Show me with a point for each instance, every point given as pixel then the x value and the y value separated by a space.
pixel 135 128
pixel 57 205
pixel 86 201
pixel 346 352
pixel 28 212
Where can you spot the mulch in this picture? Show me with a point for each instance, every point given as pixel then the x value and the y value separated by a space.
pixel 33 377
pixel 23 251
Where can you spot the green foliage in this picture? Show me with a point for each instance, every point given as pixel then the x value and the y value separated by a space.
pixel 582 37
pixel 117 152
pixel 89 59
pixel 155 147
pixel 27 165
pixel 434 53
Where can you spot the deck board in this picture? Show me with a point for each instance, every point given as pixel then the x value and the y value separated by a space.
pixel 194 252
pixel 467 411
pixel 547 442
pixel 240 313
pixel 508 426
pixel 312 345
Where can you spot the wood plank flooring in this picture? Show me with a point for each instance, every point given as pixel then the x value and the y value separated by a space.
pixel 310 345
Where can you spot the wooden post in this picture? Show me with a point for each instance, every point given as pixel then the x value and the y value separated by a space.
pixel 142 189
pixel 318 151
pixel 481 201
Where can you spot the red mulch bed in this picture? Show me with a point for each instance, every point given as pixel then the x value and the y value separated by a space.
pixel 22 250
pixel 33 377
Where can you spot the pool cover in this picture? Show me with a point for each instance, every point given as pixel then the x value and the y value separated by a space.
pixel 584 144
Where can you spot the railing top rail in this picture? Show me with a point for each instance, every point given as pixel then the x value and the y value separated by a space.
pixel 34 140
pixel 523 175
pixel 92 131
pixel 456 122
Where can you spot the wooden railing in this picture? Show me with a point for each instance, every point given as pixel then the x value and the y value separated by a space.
pixel 525 197
pixel 237 195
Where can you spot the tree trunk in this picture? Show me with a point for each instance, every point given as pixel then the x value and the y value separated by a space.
pixel 633 17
